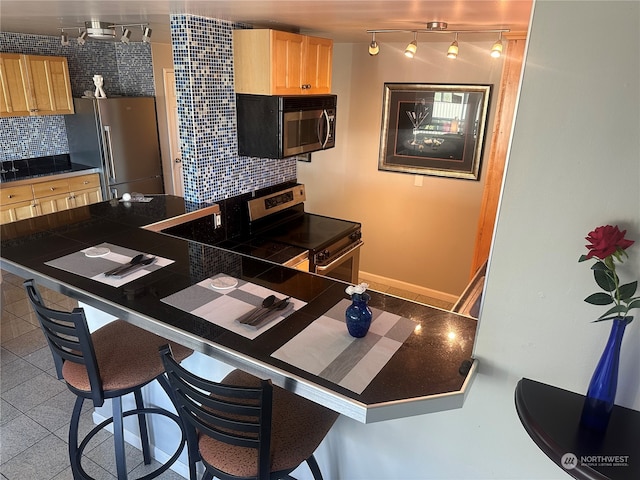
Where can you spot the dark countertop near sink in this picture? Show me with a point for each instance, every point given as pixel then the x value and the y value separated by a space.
pixel 431 371
pixel 18 172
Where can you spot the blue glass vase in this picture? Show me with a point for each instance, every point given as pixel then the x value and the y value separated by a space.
pixel 601 394
pixel 358 315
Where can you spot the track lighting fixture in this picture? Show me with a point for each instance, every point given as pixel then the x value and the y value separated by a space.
pixel 104 31
pixel 374 48
pixel 146 34
pixel 441 28
pixel 453 48
pixel 496 50
pixel 412 48
pixel 126 35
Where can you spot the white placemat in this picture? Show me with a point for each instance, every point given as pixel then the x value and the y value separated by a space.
pixel 92 262
pixel 326 349
pixel 217 302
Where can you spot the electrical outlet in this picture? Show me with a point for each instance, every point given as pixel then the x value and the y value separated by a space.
pixel 217 220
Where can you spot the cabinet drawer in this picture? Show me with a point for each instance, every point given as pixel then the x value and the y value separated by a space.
pixel 83 182
pixel 45 189
pixel 15 194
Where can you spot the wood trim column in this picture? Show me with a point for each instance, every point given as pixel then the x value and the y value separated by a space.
pixel 494 167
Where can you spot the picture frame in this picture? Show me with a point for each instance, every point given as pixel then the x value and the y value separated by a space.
pixel 434 129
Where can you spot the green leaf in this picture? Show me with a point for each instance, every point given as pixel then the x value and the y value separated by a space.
pixel 582 258
pixel 599 266
pixel 627 291
pixel 612 310
pixel 605 280
pixel 599 299
pixel 635 303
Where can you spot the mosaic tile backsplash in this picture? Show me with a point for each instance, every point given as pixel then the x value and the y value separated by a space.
pixel 127 70
pixel 203 64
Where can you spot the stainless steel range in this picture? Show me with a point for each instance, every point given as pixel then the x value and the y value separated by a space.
pixel 332 245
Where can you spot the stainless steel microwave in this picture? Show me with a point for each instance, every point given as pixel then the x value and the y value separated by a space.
pixel 283 126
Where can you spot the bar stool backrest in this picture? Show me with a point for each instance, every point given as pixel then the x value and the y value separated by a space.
pixel 69 339
pixel 239 416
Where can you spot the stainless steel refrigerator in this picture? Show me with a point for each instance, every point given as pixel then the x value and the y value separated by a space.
pixel 119 135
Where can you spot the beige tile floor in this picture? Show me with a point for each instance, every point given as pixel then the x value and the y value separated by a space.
pixel 35 407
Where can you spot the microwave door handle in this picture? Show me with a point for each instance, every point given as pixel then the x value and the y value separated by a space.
pixel 327 130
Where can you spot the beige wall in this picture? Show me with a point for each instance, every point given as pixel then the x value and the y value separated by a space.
pixel 162 57
pixel 417 237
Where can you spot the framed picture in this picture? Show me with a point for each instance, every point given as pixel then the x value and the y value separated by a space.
pixel 432 129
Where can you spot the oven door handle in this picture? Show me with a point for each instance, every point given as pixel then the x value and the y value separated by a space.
pixel 340 258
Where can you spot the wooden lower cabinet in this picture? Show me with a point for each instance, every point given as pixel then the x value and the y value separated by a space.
pixel 86 197
pixel 17 211
pixel 54 203
pixel 50 196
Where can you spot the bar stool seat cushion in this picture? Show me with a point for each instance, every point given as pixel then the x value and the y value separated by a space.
pixel 298 426
pixel 127 357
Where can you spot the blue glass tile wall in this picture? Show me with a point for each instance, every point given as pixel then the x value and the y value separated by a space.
pixel 203 65
pixel 21 137
pixel 127 70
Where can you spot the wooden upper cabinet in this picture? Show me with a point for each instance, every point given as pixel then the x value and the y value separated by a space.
pixel 35 85
pixel 14 96
pixel 271 62
pixel 318 64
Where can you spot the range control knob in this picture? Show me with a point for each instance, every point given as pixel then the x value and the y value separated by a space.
pixel 322 256
pixel 355 235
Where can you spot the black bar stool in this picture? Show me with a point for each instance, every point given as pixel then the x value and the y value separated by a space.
pixel 111 362
pixel 244 427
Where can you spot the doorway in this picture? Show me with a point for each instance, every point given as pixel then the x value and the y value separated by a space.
pixel 177 177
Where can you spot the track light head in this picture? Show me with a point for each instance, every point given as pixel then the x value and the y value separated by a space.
pixel 412 48
pixel 496 50
pixel 126 35
pixel 82 38
pixel 374 48
pixel 64 38
pixel 146 35
pixel 453 49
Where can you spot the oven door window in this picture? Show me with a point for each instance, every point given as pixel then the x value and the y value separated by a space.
pixel 346 268
pixel 343 271
pixel 301 132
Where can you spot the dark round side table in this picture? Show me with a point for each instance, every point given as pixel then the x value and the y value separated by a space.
pixel 551 417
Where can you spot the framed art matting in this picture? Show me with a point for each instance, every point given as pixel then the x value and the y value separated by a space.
pixel 432 129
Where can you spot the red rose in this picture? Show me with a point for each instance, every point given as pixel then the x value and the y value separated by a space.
pixel 605 241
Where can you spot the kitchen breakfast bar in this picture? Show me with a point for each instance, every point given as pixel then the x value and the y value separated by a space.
pixel 415 359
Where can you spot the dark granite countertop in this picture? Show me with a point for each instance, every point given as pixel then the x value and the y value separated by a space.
pixel 431 371
pixel 18 172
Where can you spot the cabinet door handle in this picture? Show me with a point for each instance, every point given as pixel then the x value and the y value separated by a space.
pixel 53 189
pixel 10 196
pixel 85 182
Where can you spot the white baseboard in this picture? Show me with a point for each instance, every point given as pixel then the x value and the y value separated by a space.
pixel 370 277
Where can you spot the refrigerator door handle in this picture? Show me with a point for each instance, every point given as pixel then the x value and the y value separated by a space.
pixel 109 151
